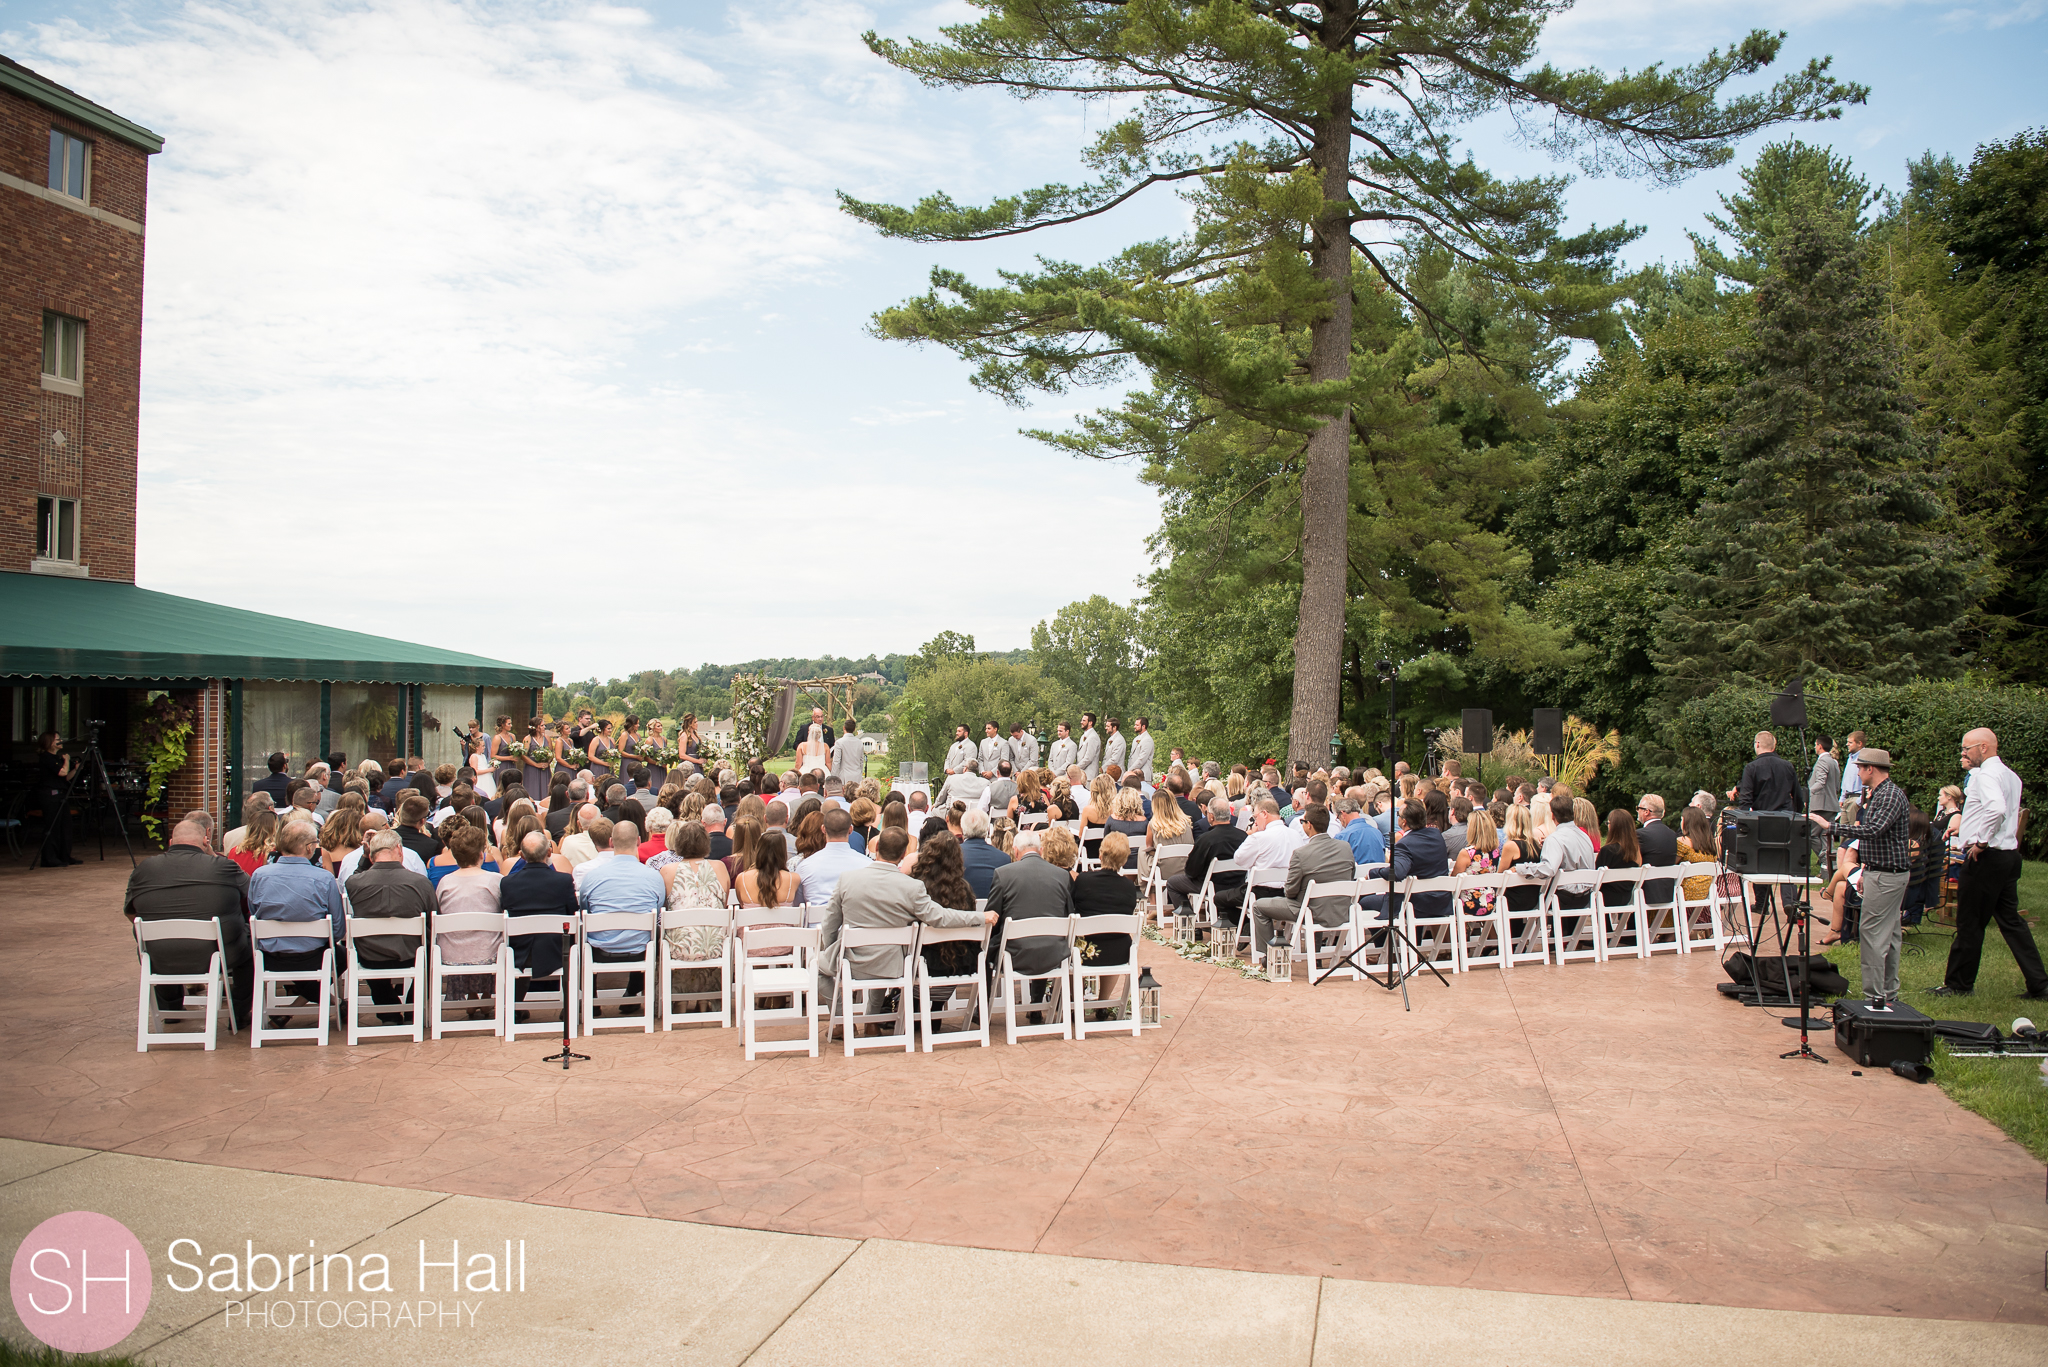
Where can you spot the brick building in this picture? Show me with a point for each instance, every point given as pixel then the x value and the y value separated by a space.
pixel 80 642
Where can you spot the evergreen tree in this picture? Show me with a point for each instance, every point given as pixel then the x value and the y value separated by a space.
pixel 1330 131
pixel 1818 552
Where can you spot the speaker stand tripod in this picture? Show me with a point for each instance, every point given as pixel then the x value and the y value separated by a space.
pixel 1396 976
pixel 91 770
pixel 567 1053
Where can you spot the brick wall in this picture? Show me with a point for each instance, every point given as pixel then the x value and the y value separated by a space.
pixel 199 784
pixel 62 260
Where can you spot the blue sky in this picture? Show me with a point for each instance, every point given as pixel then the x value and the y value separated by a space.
pixel 533 328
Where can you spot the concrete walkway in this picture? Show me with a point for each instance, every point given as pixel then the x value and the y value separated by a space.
pixel 620 1289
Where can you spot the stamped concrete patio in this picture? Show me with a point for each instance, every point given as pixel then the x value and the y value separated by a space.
pixel 1611 1130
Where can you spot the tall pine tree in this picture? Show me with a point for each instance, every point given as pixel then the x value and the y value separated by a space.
pixel 1817 553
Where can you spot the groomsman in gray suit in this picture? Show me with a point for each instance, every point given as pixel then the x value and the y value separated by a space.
pixel 1062 753
pixel 1090 758
pixel 991 748
pixel 1141 749
pixel 1023 749
pixel 1113 751
pixel 960 751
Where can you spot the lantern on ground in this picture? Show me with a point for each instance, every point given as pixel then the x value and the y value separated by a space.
pixel 1148 1000
pixel 1279 961
pixel 1183 926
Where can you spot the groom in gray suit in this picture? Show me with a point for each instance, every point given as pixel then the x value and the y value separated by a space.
pixel 849 756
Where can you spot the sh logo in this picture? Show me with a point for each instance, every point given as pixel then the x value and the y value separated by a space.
pixel 81 1282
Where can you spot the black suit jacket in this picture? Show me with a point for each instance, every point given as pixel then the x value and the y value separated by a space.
pixel 1218 842
pixel 1198 818
pixel 1660 847
pixel 277 786
pixel 186 883
pixel 1021 891
pixel 1769 784
pixel 538 890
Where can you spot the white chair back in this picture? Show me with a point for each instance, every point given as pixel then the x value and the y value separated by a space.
pixel 563 999
pixel 441 973
pixel 150 1019
pixel 1114 980
pixel 677 999
pixel 647 965
pixel 1015 983
pixel 962 1011
pixel 269 998
pixel 778 961
pixel 850 992
pixel 409 973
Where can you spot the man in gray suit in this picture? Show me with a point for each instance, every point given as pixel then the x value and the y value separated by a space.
pixel 1823 793
pixel 1001 789
pixel 1023 749
pixel 1322 858
pixel 960 751
pixel 879 896
pixel 1062 753
pixel 1141 749
pixel 966 786
pixel 1090 757
pixel 991 748
pixel 849 756
pixel 1027 888
pixel 1113 749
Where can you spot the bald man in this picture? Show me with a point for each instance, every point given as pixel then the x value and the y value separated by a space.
pixel 189 882
pixel 1989 889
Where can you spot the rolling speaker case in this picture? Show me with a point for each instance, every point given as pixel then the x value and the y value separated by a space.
pixel 1877 1039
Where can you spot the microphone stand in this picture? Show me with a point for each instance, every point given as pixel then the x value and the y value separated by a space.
pixel 1802 915
pixel 566 1053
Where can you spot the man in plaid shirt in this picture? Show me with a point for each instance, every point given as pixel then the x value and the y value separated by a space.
pixel 1882 849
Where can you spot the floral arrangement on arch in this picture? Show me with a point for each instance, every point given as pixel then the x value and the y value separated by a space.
pixel 753 711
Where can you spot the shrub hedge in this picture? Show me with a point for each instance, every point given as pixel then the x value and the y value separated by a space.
pixel 1921 724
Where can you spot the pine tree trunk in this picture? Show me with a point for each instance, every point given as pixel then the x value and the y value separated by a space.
pixel 1326 483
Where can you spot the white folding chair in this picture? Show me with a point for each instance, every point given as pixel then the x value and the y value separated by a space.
pixel 1622 924
pixel 270 1003
pixel 1271 881
pixel 410 974
pixel 1528 942
pixel 1582 939
pixel 441 971
pixel 964 1005
pixel 562 1000
pixel 1031 821
pixel 855 999
pixel 1205 907
pixel 787 968
pixel 1100 970
pixel 150 1018
pixel 1365 923
pixel 674 1000
pixel 1435 933
pixel 1167 861
pixel 1661 934
pixel 648 965
pixel 1701 926
pixel 1483 935
pixel 1016 990
pixel 1083 861
pixel 1315 946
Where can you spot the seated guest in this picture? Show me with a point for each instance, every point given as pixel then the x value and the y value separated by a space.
pixel 445 863
pixel 412 827
pixel 819 873
pixel 189 882
pixel 384 888
pixel 1272 842
pixel 1002 790
pixel 1220 841
pixel 1105 892
pixel 251 806
pixel 294 888
pixel 534 887
pixel 343 834
pixel 1357 830
pixel 1035 884
pixel 1659 846
pixel 275 785
pixel 621 884
pixel 1697 845
pixel 1620 851
pixel 714 827
pixel 1320 858
pixel 472 886
pixel 373 821
pixel 965 786
pixel 979 860
pixel 880 896
pixel 1127 815
pixel 939 867
pixel 1454 834
pixel 563 800
pixel 656 843
pixel 1567 849
pixel 580 845
pixel 252 850
pixel 1418 853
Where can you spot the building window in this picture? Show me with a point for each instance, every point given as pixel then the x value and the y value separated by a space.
pixel 57 529
pixel 67 164
pixel 63 349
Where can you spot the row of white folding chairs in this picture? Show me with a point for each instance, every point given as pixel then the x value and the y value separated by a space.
pixel 780 964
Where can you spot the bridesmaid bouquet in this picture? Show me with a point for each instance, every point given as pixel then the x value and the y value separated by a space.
pixel 576 759
pixel 513 750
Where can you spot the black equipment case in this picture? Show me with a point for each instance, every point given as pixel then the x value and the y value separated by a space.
pixel 1877 1039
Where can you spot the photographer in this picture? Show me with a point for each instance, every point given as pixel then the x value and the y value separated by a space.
pixel 1882 850
pixel 53 794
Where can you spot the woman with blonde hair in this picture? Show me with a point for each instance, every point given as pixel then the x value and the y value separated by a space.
pixel 259 835
pixel 1096 811
pixel 1521 847
pixel 1030 798
pixel 1169 824
pixel 342 835
pixel 862 812
pixel 1587 818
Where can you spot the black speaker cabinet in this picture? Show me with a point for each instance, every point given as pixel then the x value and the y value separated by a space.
pixel 1762 842
pixel 1549 730
pixel 1478 729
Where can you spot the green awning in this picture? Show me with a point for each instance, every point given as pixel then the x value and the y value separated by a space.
pixel 99 629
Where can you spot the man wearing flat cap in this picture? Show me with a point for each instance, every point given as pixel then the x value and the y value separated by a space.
pixel 1887 862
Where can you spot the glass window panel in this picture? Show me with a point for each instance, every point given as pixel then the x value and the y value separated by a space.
pixel 71 351
pixel 50 344
pixel 67 529
pixel 454 709
pixel 56 180
pixel 364 722
pixel 75 171
pixel 278 716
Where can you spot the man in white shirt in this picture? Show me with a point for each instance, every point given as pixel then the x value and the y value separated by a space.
pixel 818 874
pixel 1989 888
pixel 1852 777
pixel 1272 841
pixel 960 751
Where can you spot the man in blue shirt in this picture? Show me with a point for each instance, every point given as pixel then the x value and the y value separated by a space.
pixel 621 884
pixel 294 888
pixel 1355 829
pixel 818 874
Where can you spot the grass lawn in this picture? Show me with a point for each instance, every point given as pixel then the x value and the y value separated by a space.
pixel 2006 1091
